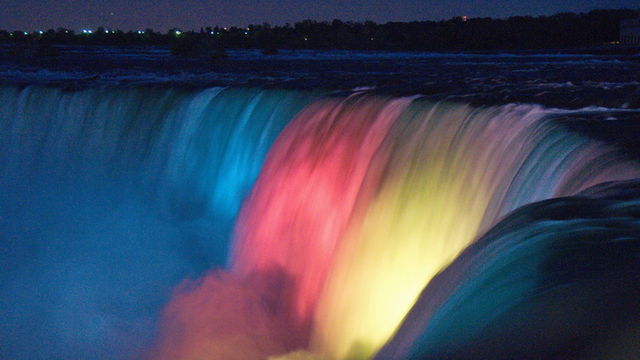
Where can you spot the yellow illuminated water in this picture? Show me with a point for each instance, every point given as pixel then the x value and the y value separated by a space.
pixel 436 185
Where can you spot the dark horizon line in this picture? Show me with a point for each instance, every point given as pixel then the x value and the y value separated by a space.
pixel 144 28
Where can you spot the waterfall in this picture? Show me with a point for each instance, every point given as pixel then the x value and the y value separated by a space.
pixel 315 225
pixel 364 199
pixel 109 196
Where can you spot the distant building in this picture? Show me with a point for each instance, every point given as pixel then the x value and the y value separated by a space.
pixel 630 32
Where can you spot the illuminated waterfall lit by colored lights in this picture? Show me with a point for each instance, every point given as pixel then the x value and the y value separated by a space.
pixel 448 177
pixel 199 153
pixel 360 200
pixel 380 197
pixel 302 202
pixel 446 163
pixel 219 147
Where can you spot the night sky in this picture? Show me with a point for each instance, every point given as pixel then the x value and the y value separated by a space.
pixel 192 14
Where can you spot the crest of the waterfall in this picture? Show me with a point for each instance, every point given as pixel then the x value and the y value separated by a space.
pixel 82 135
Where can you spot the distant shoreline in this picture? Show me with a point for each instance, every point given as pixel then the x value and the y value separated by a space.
pixel 594 32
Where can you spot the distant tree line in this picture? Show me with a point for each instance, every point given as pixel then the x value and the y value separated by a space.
pixel 563 30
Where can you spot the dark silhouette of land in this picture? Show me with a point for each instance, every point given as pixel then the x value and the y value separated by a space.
pixel 564 30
